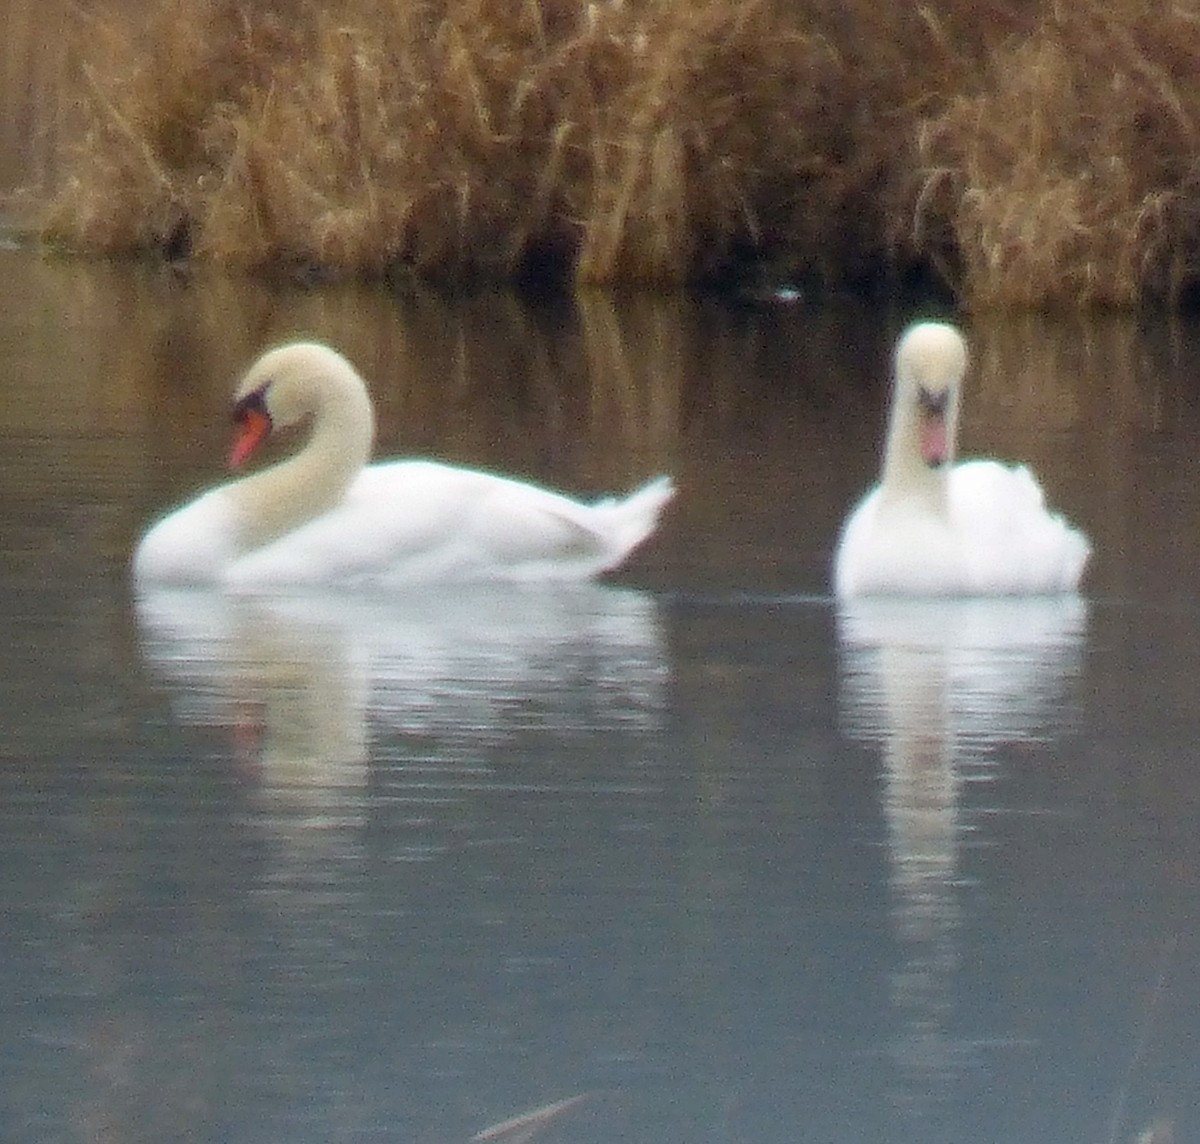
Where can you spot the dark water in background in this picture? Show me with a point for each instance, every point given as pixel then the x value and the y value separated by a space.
pixel 738 866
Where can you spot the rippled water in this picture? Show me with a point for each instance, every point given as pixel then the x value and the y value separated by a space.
pixel 733 864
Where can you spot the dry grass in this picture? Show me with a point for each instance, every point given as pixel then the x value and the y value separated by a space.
pixel 1029 154
pixel 1070 175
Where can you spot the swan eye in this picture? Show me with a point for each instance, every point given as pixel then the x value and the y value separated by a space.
pixel 934 403
pixel 255 402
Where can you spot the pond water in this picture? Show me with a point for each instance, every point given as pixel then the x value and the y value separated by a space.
pixel 726 862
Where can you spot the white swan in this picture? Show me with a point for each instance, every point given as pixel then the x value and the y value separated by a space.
pixel 324 517
pixel 935 528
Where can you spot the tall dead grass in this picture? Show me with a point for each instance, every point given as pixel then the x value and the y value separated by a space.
pixel 1071 175
pixel 1027 153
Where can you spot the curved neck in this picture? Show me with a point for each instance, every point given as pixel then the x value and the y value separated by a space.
pixel 288 494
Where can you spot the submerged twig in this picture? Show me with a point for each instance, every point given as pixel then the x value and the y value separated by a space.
pixel 1142 1041
pixel 524 1127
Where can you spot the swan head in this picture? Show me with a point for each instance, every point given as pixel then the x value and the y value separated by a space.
pixel 931 359
pixel 288 384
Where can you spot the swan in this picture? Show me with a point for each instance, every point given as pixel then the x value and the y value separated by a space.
pixel 325 517
pixel 931 527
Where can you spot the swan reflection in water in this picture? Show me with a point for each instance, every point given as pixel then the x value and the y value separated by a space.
pixel 937 683
pixel 306 681
pixel 366 735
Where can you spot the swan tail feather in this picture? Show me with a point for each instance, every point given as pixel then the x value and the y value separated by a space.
pixel 631 520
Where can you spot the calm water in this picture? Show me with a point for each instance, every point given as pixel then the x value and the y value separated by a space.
pixel 738 867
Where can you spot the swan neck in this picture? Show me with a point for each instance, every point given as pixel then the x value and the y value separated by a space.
pixel 310 482
pixel 905 473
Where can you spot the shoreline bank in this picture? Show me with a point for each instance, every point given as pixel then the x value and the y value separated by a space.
pixel 1011 156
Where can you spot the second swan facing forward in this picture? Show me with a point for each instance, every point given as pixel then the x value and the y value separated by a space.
pixel 931 527
pixel 325 517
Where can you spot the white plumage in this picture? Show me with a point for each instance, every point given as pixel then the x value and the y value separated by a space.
pixel 935 528
pixel 324 517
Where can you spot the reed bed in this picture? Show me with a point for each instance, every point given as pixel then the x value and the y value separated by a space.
pixel 1024 154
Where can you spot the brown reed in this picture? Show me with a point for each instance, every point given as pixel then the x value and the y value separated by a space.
pixel 1070 175
pixel 1027 154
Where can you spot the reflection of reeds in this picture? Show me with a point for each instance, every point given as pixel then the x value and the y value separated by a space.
pixel 636 362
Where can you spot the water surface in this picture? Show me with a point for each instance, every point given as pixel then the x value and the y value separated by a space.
pixel 736 864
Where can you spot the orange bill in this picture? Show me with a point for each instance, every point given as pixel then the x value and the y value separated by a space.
pixel 252 430
pixel 934 439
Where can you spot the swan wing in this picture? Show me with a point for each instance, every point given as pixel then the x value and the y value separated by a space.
pixel 1011 543
pixel 189 545
pixel 998 538
pixel 895 548
pixel 522 526
pixel 416 521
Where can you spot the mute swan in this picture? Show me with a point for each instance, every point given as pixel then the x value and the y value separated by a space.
pixel 325 517
pixel 935 528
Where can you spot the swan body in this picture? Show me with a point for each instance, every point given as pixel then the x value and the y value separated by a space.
pixel 324 517
pixel 931 527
